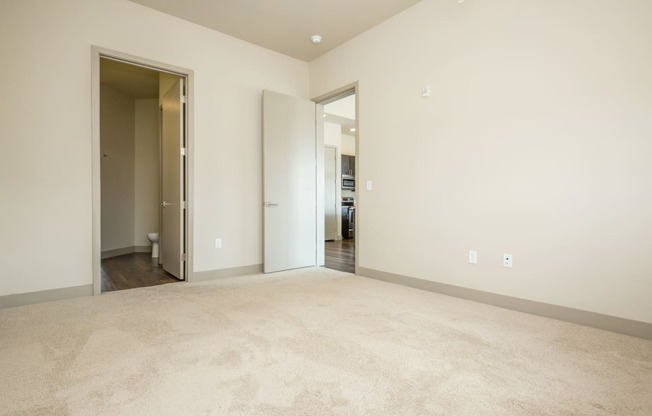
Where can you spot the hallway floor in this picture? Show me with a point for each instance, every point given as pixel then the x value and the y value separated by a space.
pixel 133 270
pixel 340 255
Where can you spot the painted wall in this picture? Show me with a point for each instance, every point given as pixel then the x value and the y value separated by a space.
pixel 45 166
pixel 344 107
pixel 146 172
pixel 130 171
pixel 117 128
pixel 535 142
pixel 348 145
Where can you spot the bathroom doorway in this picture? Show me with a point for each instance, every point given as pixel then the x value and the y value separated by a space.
pixel 143 180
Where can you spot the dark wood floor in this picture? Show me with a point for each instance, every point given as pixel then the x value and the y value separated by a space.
pixel 133 270
pixel 340 255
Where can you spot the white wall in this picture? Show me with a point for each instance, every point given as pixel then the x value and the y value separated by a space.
pixel 535 142
pixel 130 172
pixel 117 128
pixel 147 170
pixel 45 166
pixel 348 145
pixel 344 107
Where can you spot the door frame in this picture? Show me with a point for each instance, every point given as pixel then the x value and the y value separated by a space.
pixel 345 91
pixel 97 53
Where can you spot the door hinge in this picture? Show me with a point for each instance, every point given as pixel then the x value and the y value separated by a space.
pixel 183 99
pixel 183 151
pixel 183 204
pixel 183 256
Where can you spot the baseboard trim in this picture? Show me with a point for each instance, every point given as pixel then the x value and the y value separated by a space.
pixel 596 320
pixel 126 250
pixel 224 273
pixel 20 299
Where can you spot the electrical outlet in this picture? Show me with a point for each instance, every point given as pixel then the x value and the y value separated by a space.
pixel 218 243
pixel 507 260
pixel 473 256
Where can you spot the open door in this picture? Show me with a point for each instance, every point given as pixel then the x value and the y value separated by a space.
pixel 172 179
pixel 289 190
pixel 330 193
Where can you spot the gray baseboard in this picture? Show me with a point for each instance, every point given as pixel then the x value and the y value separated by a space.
pixel 596 320
pixel 21 299
pixel 224 273
pixel 126 250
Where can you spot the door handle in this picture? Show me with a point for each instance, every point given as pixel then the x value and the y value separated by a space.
pixel 165 204
pixel 270 204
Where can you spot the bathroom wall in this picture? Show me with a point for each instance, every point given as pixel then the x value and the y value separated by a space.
pixel 146 171
pixel 130 172
pixel 117 128
pixel 165 82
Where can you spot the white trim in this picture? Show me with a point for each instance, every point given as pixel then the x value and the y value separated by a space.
pixel 320 187
pixel 226 273
pixel 20 299
pixel 561 313
pixel 125 250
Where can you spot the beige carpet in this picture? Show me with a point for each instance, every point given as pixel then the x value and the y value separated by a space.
pixel 309 342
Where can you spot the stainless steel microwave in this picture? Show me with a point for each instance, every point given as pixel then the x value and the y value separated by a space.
pixel 348 182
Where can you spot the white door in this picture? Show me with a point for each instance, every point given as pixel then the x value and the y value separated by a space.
pixel 330 193
pixel 172 190
pixel 289 189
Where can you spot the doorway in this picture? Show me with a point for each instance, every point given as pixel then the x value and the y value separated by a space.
pixel 141 192
pixel 294 182
pixel 340 207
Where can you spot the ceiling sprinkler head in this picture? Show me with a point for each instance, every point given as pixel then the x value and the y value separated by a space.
pixel 316 39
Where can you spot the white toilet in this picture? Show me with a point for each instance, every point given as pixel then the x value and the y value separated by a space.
pixel 153 238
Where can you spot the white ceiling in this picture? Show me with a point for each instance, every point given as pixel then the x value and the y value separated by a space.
pixel 285 26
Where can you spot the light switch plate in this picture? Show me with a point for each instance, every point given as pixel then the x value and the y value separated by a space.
pixel 473 256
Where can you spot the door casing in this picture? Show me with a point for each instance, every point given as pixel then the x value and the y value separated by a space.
pixel 188 75
pixel 323 99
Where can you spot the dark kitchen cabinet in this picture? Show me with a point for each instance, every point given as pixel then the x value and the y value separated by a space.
pixel 348 165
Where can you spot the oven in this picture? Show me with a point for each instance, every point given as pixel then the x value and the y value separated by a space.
pixel 348 217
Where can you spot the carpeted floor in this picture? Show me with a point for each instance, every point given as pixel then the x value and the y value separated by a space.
pixel 309 342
